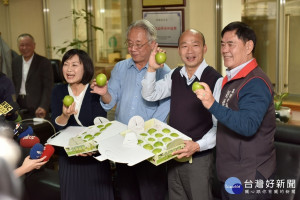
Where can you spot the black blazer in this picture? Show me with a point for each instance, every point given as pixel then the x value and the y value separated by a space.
pixel 39 81
pixel 89 110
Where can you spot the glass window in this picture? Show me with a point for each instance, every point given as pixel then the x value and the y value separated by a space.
pixel 113 16
pixel 292 30
pixel 261 16
pixel 277 41
pixel 96 26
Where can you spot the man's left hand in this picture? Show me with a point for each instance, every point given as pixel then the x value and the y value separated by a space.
pixel 40 112
pixel 152 64
pixel 190 148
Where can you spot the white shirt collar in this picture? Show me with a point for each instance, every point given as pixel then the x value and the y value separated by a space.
pixel 29 61
pixel 231 73
pixel 197 74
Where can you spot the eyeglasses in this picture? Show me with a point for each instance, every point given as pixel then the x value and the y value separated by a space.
pixel 138 46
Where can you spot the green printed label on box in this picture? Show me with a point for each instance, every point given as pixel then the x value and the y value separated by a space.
pixel 86 147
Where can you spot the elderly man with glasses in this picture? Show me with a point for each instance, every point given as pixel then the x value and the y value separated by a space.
pixel 144 180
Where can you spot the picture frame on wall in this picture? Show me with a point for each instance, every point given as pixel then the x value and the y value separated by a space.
pixel 162 3
pixel 169 25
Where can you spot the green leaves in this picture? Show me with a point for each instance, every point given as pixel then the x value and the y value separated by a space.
pixel 278 98
pixel 77 43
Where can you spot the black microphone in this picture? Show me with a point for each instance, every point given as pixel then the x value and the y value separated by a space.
pixel 22 130
pixel 12 115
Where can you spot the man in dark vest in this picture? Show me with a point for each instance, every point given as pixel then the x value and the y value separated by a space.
pixel 187 114
pixel 246 117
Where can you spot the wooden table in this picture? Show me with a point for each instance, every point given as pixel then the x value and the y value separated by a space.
pixel 295 119
pixel 295 116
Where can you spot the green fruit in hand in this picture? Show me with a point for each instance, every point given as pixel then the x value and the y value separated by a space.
pixel 166 139
pixel 156 151
pixel 158 135
pixel 101 79
pixel 148 146
pixel 152 130
pixel 68 100
pixel 165 130
pixel 174 135
pixel 157 144
pixel 160 57
pixel 196 86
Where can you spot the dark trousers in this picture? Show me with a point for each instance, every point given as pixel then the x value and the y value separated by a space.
pixel 191 181
pixel 255 196
pixel 143 181
pixel 25 111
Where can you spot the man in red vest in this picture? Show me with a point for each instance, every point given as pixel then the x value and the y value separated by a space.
pixel 246 117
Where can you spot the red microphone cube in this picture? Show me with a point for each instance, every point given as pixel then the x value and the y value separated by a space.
pixel 29 141
pixel 48 151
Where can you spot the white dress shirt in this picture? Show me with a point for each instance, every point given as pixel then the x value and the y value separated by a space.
pixel 25 69
pixel 78 101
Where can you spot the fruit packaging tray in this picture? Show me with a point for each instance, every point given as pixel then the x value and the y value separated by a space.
pixel 154 141
pixel 160 139
pixel 87 141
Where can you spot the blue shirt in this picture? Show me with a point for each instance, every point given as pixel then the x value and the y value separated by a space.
pixel 125 88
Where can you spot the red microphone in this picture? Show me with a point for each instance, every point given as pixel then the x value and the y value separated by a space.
pixel 48 151
pixel 29 141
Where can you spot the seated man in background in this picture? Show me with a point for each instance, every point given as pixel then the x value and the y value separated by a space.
pixel 33 79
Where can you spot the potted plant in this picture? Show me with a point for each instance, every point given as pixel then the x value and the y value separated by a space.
pixel 75 42
pixel 282 113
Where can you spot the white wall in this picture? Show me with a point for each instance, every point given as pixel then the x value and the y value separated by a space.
pixel 198 14
pixel 22 16
pixel 231 12
pixel 27 16
pixel 60 29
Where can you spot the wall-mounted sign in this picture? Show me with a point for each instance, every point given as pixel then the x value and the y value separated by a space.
pixel 169 25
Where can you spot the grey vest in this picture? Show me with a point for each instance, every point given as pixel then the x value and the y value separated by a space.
pixel 240 156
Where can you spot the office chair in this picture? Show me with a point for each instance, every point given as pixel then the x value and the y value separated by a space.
pixel 56 72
